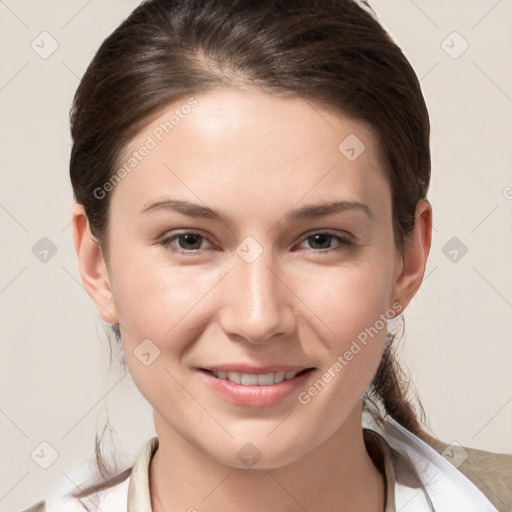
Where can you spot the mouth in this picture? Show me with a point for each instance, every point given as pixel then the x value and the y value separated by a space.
pixel 251 386
pixel 256 378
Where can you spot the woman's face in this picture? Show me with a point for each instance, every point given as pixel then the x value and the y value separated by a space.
pixel 224 256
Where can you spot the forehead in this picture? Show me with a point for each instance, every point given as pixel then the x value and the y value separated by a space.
pixel 251 143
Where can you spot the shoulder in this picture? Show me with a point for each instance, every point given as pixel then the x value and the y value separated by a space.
pixel 451 476
pixel 490 472
pixel 108 496
pixel 40 506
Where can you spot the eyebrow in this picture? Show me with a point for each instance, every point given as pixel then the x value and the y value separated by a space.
pixel 304 213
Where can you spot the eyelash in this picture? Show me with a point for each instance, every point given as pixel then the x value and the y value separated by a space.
pixel 344 243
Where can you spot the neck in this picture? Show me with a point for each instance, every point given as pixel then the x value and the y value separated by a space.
pixel 337 475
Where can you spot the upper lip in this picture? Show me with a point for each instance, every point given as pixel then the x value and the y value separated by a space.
pixel 255 370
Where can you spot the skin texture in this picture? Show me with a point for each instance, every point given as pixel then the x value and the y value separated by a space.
pixel 254 157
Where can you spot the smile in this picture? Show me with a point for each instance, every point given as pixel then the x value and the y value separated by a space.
pixel 262 379
pixel 260 388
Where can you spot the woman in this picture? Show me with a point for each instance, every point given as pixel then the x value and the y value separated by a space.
pixel 251 217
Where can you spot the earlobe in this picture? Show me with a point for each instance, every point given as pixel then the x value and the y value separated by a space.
pixel 93 269
pixel 414 261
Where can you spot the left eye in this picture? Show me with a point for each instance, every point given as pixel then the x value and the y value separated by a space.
pixel 323 238
pixel 190 242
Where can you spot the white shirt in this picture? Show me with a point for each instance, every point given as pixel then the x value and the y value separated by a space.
pixel 434 485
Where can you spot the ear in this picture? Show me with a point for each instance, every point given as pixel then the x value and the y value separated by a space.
pixel 414 260
pixel 92 266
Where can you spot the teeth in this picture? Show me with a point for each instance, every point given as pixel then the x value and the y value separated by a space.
pixel 234 377
pixel 249 379
pixel 278 377
pixel 265 379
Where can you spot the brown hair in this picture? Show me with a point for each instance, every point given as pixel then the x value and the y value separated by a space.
pixel 330 52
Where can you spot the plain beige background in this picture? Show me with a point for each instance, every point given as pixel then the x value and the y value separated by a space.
pixel 55 380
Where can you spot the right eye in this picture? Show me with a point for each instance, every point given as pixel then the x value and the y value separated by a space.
pixel 186 242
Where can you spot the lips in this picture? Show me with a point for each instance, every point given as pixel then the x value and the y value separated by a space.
pixel 255 386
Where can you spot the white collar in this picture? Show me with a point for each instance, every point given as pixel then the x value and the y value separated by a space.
pixel 441 488
pixel 424 480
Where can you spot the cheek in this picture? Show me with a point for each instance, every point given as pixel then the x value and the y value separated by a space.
pixel 351 305
pixel 353 316
pixel 346 301
pixel 158 302
pixel 165 306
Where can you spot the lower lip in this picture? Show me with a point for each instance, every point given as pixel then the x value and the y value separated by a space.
pixel 255 396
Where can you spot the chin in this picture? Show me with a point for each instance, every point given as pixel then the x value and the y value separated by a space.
pixel 260 452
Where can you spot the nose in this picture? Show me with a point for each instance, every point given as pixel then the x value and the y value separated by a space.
pixel 256 301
